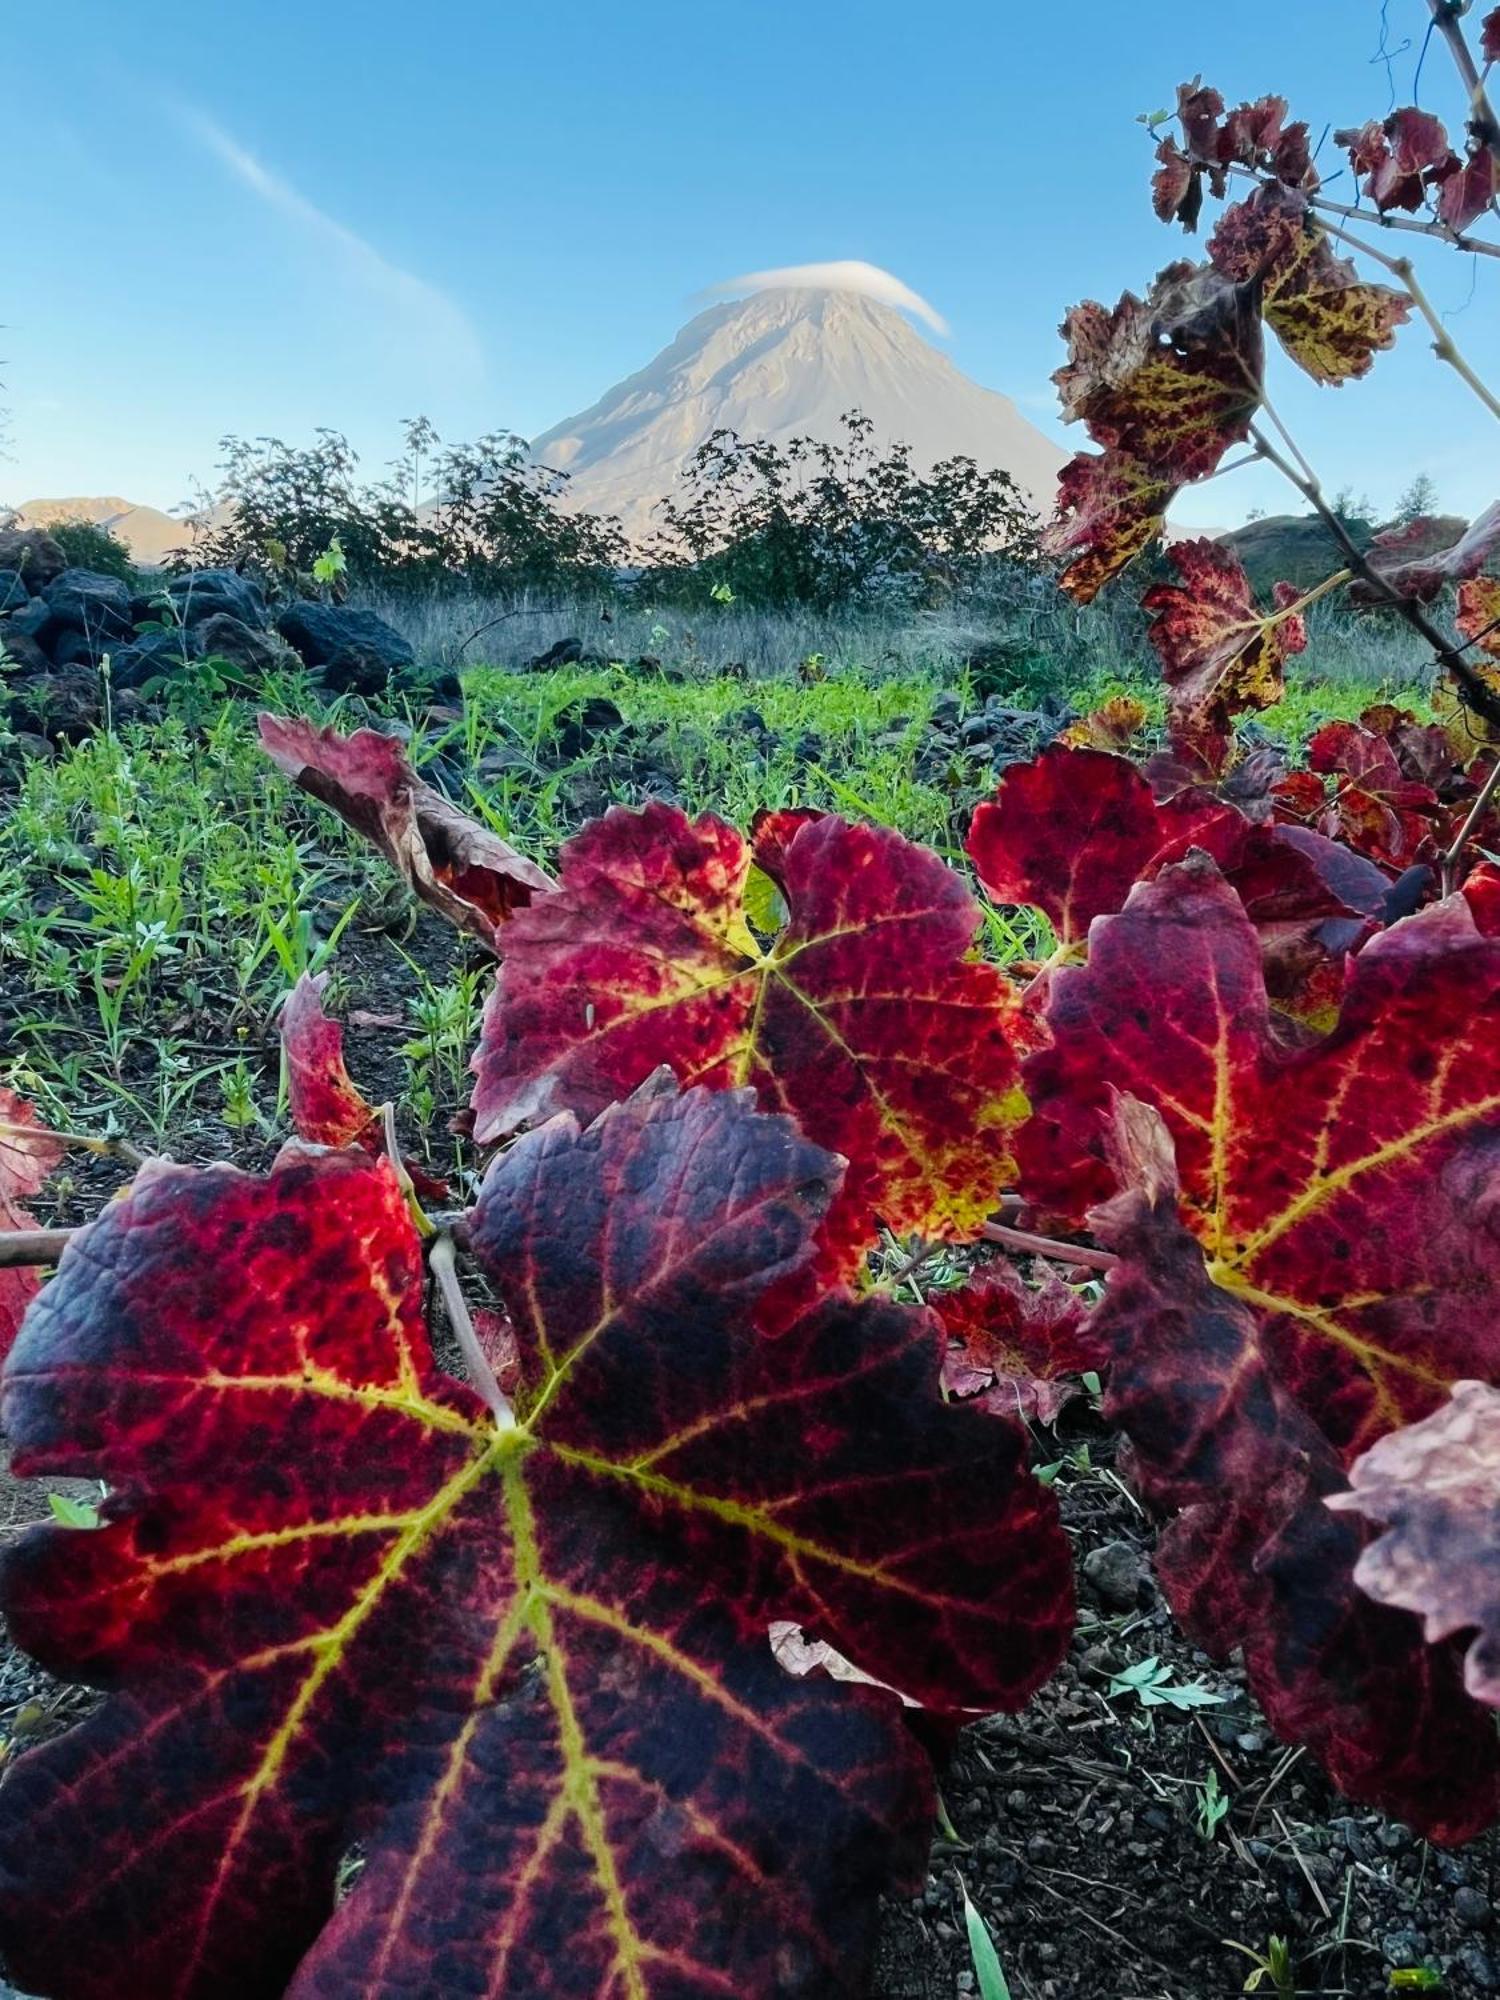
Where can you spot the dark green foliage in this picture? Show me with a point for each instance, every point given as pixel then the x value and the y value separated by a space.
pixel 480 516
pixel 832 525
pixel 90 545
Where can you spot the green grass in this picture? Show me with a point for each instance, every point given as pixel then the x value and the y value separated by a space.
pixel 164 887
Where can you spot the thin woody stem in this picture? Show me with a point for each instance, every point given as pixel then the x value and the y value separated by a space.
pixel 1047 1246
pixel 109 1149
pixel 1447 16
pixel 1476 692
pixel 23 1248
pixel 1438 232
pixel 1465 834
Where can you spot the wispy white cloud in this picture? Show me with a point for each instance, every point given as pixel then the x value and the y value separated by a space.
pixel 446 335
pixel 843 275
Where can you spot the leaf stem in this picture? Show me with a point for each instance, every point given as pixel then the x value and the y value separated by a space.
pixel 442 1261
pixel 1047 1246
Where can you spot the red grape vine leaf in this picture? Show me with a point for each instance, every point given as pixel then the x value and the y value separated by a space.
pixel 327 1106
pixel 1219 654
pixel 1171 380
pixel 525 1668
pixel 1489 36
pixel 1372 805
pixel 1253 1559
pixel 467 873
pixel 1252 135
pixel 865 1018
pixel 1012 1346
pixel 1069 833
pixel 1435 1488
pixel 1479 613
pixel 1330 321
pixel 1469 186
pixel 1337 1196
pixel 1406 561
pixel 1109 508
pixel 28 1154
pixel 1401 157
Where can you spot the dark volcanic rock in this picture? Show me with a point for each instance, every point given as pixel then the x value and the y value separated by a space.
pixel 34 553
pixel 218 593
pixel 254 653
pixel 13 591
pixel 20 654
pixel 149 655
pixel 354 651
pixel 86 601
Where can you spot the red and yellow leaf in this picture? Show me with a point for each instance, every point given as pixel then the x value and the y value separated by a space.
pixel 1412 559
pixel 1253 1559
pixel 1109 508
pixel 524 1666
pixel 1435 1489
pixel 468 874
pixel 1013 1346
pixel 1330 321
pixel 1337 1194
pixel 1219 654
pixel 1479 613
pixel 865 1018
pixel 1170 380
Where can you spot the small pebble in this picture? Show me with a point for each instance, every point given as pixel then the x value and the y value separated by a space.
pixel 1479 1967
pixel 1114 1575
pixel 1472 1907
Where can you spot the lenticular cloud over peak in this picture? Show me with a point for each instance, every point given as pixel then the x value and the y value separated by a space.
pixel 842 275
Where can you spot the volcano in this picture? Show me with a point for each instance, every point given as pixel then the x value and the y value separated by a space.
pixel 788 361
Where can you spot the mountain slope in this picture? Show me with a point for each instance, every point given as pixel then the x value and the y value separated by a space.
pixel 146 532
pixel 784 363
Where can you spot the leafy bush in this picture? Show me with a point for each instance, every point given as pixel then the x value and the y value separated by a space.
pixel 832 525
pixel 90 545
pixel 480 517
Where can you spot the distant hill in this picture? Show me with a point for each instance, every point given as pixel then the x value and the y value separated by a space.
pixel 147 533
pixel 787 362
pixel 1297 548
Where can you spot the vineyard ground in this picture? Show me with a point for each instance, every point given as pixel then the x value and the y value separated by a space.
pixel 150 885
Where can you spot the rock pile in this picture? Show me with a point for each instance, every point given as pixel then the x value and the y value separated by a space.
pixel 58 626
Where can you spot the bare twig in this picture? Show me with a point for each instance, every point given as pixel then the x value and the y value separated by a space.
pixel 1438 231
pixel 1474 690
pixel 442 1262
pixel 1047 1246
pixel 35 1247
pixel 109 1149
pixel 1447 15
pixel 1465 834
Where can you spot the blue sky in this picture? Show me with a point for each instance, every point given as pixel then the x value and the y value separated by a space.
pixel 264 218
